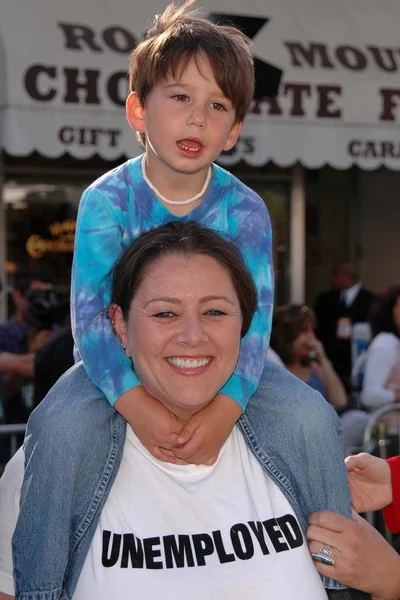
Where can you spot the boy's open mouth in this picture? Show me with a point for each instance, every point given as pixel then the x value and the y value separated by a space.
pixel 190 145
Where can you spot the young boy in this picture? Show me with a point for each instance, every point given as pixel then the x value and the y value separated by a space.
pixel 191 84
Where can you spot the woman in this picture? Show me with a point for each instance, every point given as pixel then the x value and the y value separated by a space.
pixel 294 340
pixel 382 368
pixel 138 523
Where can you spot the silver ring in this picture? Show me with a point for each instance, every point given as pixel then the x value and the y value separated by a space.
pixel 324 556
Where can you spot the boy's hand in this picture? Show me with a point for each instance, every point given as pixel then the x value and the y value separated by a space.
pixel 370 482
pixel 203 437
pixel 156 427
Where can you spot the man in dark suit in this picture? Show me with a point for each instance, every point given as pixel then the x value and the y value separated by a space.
pixel 337 310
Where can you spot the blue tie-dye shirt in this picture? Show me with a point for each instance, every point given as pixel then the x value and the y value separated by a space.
pixel 115 210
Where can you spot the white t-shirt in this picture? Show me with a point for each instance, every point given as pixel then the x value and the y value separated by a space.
pixel 224 532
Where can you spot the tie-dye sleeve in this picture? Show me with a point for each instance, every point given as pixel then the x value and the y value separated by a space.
pixel 254 239
pixel 98 245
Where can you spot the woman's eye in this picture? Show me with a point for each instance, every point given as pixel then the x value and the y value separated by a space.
pixel 164 314
pixel 215 313
pixel 218 106
pixel 180 97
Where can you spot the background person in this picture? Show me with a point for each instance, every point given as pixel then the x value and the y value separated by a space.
pixel 381 384
pixel 182 334
pixel 14 333
pixel 294 340
pixel 18 337
pixel 337 310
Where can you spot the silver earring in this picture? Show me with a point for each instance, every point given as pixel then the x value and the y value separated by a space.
pixel 123 346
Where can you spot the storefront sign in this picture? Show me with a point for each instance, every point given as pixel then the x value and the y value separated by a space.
pixel 338 101
pixel 62 240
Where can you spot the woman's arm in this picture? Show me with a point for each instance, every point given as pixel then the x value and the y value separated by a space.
pixel 382 355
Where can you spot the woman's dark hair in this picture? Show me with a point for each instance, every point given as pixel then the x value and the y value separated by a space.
pixel 287 324
pixel 381 314
pixel 188 238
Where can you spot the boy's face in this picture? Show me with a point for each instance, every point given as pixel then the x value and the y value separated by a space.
pixel 188 121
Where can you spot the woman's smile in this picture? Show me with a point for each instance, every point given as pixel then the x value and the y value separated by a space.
pixel 185 365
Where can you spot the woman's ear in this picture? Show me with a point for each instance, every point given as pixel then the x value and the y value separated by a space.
pixel 119 327
pixel 134 113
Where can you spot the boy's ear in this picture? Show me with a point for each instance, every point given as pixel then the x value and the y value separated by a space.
pixel 134 113
pixel 233 136
pixel 119 327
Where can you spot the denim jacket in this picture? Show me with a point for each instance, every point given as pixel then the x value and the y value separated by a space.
pixel 73 449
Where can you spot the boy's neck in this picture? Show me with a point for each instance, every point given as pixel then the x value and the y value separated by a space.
pixel 175 185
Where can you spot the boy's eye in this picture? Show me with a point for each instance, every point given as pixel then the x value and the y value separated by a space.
pixel 218 106
pixel 180 97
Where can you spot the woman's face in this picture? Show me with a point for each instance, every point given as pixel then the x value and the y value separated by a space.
pixel 302 344
pixel 183 331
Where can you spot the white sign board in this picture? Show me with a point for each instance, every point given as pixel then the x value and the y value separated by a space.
pixel 63 79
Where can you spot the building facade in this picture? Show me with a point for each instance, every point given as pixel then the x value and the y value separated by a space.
pixel 321 142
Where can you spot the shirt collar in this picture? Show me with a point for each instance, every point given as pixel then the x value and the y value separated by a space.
pixel 350 294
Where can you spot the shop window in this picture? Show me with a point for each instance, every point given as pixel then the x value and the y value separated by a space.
pixel 40 226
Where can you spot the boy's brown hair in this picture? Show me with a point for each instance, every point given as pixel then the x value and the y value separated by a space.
pixel 177 36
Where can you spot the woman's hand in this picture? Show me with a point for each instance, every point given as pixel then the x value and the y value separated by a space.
pixel 316 346
pixel 370 482
pixel 363 558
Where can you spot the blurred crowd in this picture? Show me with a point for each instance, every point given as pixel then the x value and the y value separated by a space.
pixel 315 343
pixel 347 346
pixel 36 347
